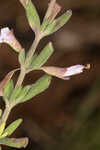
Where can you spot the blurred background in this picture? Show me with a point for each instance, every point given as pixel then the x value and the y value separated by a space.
pixel 68 110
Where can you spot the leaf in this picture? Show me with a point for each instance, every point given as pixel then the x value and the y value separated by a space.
pixel 27 65
pixel 14 142
pixel 42 57
pixel 24 92
pixel 13 126
pixel 15 94
pixel 58 23
pixel 5 81
pixel 50 28
pixel 3 135
pixel 31 14
pixel 8 88
pixel 62 20
pixel 38 87
pixel 22 57
pixel 2 126
pixel 7 78
pixel 52 11
pixel 0 148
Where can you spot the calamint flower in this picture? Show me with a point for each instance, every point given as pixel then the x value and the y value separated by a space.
pixel 65 73
pixel 7 36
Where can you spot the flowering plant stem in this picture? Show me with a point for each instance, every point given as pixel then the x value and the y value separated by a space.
pixel 20 78
pixel 14 94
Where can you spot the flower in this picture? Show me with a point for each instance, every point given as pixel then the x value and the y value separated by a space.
pixel 65 73
pixel 7 36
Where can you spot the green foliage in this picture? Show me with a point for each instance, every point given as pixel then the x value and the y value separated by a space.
pixel 23 93
pixel 42 57
pixel 2 126
pixel 57 23
pixel 38 87
pixel 13 126
pixel 62 20
pixel 9 88
pixel 15 94
pixel 31 14
pixel 13 142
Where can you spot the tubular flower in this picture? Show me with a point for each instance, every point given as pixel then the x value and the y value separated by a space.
pixel 7 36
pixel 65 73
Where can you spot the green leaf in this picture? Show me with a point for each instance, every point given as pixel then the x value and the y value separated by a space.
pixel 22 57
pixel 0 148
pixel 58 23
pixel 27 65
pixel 23 93
pixel 14 142
pixel 9 88
pixel 42 57
pixel 3 135
pixel 50 28
pixel 2 126
pixel 15 94
pixel 31 14
pixel 13 126
pixel 38 87
pixel 44 24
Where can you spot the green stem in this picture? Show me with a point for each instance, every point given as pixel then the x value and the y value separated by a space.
pixel 32 50
pixel 6 114
pixel 21 77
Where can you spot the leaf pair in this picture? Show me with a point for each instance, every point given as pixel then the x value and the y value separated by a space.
pixel 49 25
pixel 20 95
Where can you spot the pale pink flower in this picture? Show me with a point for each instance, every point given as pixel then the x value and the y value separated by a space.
pixel 7 36
pixel 64 73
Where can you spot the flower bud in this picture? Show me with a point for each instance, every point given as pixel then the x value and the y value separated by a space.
pixel 7 36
